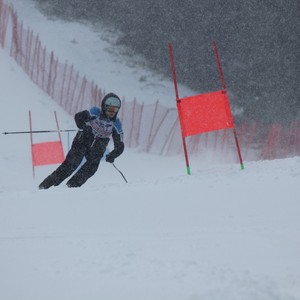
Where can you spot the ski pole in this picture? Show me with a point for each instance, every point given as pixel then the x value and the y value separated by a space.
pixel 119 172
pixel 38 131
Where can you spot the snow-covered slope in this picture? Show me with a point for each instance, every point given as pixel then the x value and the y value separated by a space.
pixel 221 233
pixel 96 55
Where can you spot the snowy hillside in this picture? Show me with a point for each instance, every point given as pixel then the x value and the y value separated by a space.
pixel 219 234
pixel 95 55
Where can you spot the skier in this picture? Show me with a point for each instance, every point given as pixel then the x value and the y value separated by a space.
pixel 96 126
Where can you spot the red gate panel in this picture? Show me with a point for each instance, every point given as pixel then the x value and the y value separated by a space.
pixel 204 113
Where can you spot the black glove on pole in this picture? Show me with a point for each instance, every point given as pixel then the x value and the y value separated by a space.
pixel 109 158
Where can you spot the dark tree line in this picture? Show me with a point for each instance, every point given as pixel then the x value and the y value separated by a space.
pixel 258 43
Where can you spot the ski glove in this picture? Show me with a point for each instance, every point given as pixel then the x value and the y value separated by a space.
pixel 82 117
pixel 109 158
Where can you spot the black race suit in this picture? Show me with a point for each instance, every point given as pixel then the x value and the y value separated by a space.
pixel 90 142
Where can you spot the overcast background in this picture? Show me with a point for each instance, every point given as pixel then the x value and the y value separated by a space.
pixel 257 40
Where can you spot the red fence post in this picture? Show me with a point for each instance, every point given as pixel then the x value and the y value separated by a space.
pixel 4 17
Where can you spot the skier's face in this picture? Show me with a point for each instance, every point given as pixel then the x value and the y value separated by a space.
pixel 111 111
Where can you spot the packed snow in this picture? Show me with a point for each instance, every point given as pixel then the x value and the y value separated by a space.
pixel 220 233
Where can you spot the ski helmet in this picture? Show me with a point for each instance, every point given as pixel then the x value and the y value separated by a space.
pixel 111 100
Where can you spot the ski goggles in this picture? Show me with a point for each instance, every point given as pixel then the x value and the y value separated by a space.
pixel 111 108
